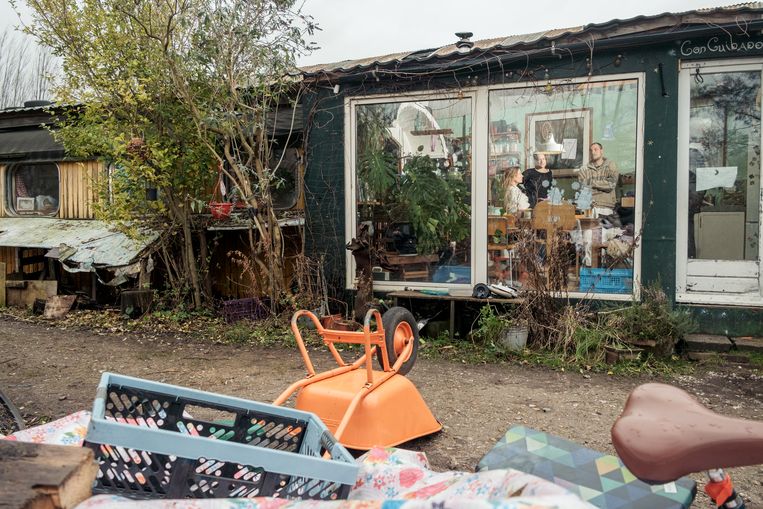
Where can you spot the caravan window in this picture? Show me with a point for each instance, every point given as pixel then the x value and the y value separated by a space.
pixel 33 189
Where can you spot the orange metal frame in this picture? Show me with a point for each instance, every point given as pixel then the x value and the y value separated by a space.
pixel 371 340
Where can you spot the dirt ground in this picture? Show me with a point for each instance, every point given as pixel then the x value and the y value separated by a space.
pixel 49 372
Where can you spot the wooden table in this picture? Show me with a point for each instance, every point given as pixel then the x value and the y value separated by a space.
pixel 412 265
pixel 452 299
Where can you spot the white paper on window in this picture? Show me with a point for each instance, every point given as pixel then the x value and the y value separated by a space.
pixel 716 176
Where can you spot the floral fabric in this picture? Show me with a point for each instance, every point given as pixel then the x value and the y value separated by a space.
pixel 388 479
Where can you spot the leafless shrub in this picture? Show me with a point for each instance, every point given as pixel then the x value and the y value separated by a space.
pixel 552 321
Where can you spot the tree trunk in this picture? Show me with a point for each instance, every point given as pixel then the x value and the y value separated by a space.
pixel 204 254
pixel 190 259
pixel 181 213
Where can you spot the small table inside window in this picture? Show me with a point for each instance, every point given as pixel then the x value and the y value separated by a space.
pixel 412 266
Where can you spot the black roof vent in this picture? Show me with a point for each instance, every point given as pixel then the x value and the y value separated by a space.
pixel 37 103
pixel 463 44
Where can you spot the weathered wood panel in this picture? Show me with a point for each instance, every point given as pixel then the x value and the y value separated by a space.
pixel 2 284
pixel 8 257
pixel 78 190
pixel 2 191
pixel 229 279
pixel 25 295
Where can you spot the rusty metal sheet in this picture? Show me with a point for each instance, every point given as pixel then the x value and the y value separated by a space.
pixel 87 244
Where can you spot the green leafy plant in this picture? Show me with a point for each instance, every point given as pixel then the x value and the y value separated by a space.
pixel 378 170
pixel 589 341
pixel 435 204
pixel 490 325
pixel 494 329
pixel 171 93
pixel 652 323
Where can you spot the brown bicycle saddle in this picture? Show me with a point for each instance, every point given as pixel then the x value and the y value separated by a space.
pixel 664 433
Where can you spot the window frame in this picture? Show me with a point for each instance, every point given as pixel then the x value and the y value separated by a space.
pixel 10 206
pixel 479 179
pixel 683 294
pixel 350 181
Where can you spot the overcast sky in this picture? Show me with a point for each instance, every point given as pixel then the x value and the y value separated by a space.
pixel 354 29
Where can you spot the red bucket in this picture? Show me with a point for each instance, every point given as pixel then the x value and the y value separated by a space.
pixel 220 210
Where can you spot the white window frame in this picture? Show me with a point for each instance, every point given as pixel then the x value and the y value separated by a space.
pixel 350 187
pixel 480 148
pixel 682 189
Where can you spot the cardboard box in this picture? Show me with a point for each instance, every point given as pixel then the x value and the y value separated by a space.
pixel 628 201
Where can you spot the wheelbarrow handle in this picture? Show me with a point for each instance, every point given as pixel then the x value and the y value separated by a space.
pixel 372 312
pixel 298 336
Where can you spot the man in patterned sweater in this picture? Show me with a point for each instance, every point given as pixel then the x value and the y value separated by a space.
pixel 601 176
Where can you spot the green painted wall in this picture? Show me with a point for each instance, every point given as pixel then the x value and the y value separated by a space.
pixel 324 184
pixel 659 63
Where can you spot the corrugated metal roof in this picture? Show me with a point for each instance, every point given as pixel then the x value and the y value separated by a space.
pixel 87 243
pixel 613 28
pixel 37 108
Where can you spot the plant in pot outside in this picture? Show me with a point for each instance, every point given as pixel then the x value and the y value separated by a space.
pixel 504 331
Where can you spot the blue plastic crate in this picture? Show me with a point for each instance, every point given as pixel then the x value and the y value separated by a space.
pixel 154 440
pixel 452 274
pixel 606 280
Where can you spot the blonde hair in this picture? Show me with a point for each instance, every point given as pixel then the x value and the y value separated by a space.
pixel 508 179
pixel 510 173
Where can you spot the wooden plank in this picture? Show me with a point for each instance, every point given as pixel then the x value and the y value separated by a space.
pixel 77 173
pixel 733 285
pixel 58 305
pixel 8 256
pixel 89 176
pixel 72 183
pixel 69 194
pixel 722 268
pixel 62 191
pixel 2 284
pixel 42 476
pixel 63 202
pixel 34 290
pixel 2 191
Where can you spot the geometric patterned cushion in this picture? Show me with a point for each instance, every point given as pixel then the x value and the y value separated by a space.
pixel 599 479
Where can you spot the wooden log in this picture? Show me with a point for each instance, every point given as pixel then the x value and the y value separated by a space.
pixel 41 476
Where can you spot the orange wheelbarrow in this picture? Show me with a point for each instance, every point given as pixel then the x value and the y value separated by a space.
pixel 364 407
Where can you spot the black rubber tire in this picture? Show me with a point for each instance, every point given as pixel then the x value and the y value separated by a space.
pixel 391 319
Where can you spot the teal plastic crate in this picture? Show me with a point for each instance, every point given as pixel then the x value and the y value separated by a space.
pixel 606 280
pixel 155 440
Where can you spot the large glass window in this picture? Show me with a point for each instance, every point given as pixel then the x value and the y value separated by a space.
pixel 724 165
pixel 562 186
pixel 413 188
pixel 33 189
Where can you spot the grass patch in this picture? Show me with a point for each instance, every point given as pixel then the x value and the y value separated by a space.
pixel 583 361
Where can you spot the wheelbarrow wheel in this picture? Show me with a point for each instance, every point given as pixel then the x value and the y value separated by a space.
pixel 399 328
